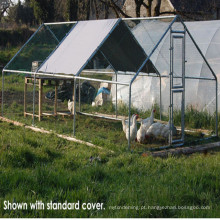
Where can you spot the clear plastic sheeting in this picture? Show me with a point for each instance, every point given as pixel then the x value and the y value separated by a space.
pixel 148 33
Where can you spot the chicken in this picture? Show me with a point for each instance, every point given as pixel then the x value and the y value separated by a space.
pixel 71 106
pixel 159 129
pixel 133 129
pixel 125 123
pixel 141 133
pixel 147 122
pixel 166 130
pixel 155 130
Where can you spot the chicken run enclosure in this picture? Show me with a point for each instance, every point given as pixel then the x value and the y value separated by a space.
pixel 135 64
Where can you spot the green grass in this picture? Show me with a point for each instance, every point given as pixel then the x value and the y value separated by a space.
pixel 7 53
pixel 101 132
pixel 43 167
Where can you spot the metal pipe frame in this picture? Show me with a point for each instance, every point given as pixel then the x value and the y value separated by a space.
pixel 79 95
pixel 116 86
pixel 171 85
pixel 183 83
pixel 100 80
pixel 149 18
pixel 210 68
pixel 98 116
pixel 145 61
pixel 23 46
pixel 74 112
pixel 67 22
pixel 54 36
pixel 56 47
pixel 97 49
pixel 71 76
pixel 2 94
pixel 34 99
pixel 136 74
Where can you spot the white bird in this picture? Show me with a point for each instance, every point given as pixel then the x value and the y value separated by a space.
pixel 71 106
pixel 133 129
pixel 166 130
pixel 125 123
pixel 141 133
pixel 147 122
pixel 155 130
pixel 159 129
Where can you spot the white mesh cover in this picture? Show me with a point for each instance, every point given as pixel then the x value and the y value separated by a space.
pixel 76 49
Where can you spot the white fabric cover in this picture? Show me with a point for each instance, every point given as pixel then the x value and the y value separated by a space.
pixel 74 52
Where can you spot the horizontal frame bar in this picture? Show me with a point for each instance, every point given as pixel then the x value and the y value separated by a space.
pixel 150 18
pixel 100 80
pixel 98 116
pixel 55 23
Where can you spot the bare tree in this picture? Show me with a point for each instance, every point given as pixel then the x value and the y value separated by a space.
pixel 4 6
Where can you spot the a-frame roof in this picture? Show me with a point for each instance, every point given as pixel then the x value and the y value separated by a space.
pixel 111 37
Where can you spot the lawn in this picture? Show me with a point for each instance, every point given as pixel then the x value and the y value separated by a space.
pixel 46 168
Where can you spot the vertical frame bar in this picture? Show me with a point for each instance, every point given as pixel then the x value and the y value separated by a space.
pixel 40 99
pixel 34 99
pixel 171 76
pixel 25 96
pixel 183 84
pixel 3 93
pixel 116 96
pixel 74 111
pixel 216 123
pixel 129 118
pixel 160 100
pixel 55 99
pixel 79 96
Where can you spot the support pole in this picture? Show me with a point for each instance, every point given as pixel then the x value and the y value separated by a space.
pixel 79 96
pixel 2 93
pixel 74 110
pixel 183 83
pixel 34 99
pixel 25 96
pixel 160 100
pixel 129 118
pixel 216 114
pixel 40 99
pixel 55 99
pixel 171 76
pixel 116 95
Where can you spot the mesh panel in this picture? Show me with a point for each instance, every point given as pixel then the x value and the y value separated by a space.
pixel 39 47
pixel 60 30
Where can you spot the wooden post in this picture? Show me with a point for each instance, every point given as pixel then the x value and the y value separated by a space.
pixel 25 95
pixel 40 99
pixel 55 99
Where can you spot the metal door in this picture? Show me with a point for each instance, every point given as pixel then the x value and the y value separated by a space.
pixel 177 80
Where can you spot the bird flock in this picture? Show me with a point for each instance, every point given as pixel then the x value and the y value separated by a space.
pixel 148 129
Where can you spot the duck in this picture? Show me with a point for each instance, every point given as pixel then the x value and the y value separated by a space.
pixel 125 123
pixel 133 129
